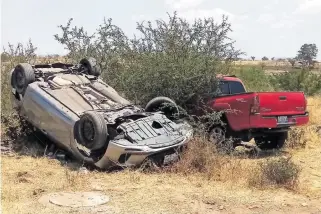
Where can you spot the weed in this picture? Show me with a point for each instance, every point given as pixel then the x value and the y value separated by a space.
pixel 279 171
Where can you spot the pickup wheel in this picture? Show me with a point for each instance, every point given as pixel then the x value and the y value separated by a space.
pixel 218 135
pixel 22 75
pixel 276 141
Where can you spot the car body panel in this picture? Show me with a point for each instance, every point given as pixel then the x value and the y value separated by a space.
pixel 282 103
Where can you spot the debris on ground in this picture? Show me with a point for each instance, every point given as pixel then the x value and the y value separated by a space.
pixel 75 199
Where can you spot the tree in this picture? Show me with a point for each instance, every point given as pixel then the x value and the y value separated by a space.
pixel 4 57
pixel 173 58
pixel 20 52
pixel 291 61
pixel 307 53
pixel 265 58
pixel 253 58
pixel 13 54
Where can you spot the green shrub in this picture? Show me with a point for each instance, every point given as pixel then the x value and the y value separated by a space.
pixel 11 125
pixel 254 79
pixel 172 58
pixel 298 80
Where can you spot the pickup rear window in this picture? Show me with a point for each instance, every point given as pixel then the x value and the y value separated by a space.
pixel 231 87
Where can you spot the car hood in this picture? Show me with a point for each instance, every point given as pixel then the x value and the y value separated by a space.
pixel 155 131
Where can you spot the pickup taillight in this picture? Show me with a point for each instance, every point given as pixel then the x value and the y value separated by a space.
pixel 305 102
pixel 255 107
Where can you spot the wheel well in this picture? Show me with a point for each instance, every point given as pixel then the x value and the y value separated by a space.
pixel 222 122
pixel 223 118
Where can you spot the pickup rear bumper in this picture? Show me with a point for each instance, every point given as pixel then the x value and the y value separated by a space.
pixel 261 121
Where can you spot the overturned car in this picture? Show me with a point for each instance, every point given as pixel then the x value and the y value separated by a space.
pixel 80 113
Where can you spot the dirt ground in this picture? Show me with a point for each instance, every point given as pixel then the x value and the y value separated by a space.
pixel 25 179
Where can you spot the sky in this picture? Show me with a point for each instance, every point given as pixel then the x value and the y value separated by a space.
pixel 274 28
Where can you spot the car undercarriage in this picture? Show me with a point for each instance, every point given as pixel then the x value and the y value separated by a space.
pixel 79 112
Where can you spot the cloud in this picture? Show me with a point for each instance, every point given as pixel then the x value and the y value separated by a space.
pixel 284 20
pixel 286 23
pixel 270 4
pixel 283 24
pixel 266 18
pixel 140 17
pixel 216 13
pixel 309 7
pixel 237 21
pixel 191 10
pixel 183 4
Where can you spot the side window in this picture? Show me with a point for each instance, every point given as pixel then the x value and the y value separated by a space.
pixel 224 88
pixel 236 87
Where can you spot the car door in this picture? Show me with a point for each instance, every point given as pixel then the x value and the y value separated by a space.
pixel 240 104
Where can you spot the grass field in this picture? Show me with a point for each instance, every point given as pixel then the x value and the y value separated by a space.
pixel 271 63
pixel 267 64
pixel 226 185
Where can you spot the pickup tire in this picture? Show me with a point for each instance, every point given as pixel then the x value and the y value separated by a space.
pixel 22 75
pixel 219 136
pixel 275 141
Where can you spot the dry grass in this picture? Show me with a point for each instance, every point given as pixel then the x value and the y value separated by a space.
pixel 314 108
pixel 25 179
pixel 271 63
pixel 202 158
pixel 203 183
pixel 309 135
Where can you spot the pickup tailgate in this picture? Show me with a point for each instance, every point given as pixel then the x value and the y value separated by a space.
pixel 282 103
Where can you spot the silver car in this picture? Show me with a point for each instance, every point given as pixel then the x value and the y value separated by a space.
pixel 80 113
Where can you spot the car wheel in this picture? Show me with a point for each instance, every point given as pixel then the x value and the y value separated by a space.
pixel 11 78
pixel 272 141
pixel 91 66
pixel 22 76
pixel 164 104
pixel 91 130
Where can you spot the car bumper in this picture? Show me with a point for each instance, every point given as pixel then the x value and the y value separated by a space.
pixel 272 121
pixel 129 156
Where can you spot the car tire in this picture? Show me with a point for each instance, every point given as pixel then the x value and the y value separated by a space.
pixel 11 78
pixel 91 130
pixel 276 141
pixel 91 66
pixel 22 75
pixel 156 104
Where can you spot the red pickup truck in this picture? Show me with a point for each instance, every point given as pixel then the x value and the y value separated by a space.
pixel 264 116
